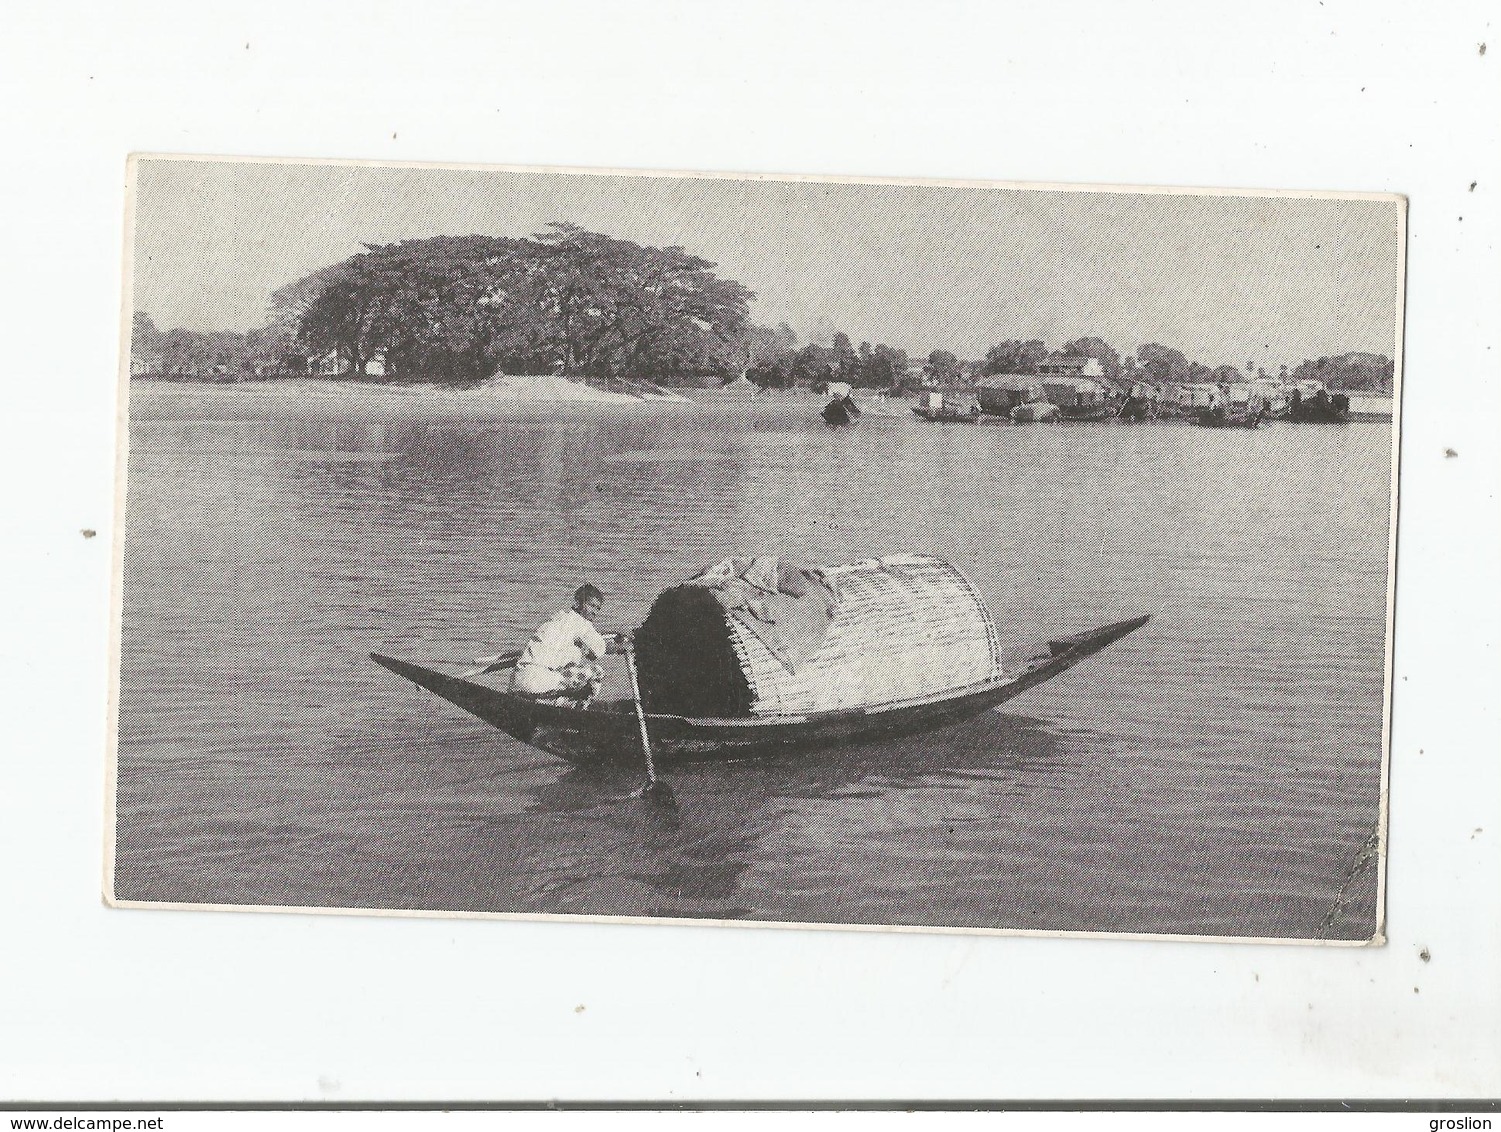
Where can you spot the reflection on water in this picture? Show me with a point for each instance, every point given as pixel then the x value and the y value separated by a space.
pixel 1215 773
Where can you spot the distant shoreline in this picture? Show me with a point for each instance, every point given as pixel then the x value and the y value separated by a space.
pixel 419 383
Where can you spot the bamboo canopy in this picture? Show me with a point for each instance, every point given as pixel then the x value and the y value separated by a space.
pixel 903 627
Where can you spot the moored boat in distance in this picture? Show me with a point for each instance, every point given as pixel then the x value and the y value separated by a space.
pixel 1311 401
pixel 1230 406
pixel 1078 398
pixel 1271 396
pixel 1017 398
pixel 1143 402
pixel 1077 385
pixel 1192 397
pixel 1036 411
pixel 948 408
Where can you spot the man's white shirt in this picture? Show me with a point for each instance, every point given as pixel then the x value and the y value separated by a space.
pixel 565 638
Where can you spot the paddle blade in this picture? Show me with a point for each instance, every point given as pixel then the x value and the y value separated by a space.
pixel 658 792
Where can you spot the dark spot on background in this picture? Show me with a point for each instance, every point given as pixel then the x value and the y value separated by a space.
pixel 88 532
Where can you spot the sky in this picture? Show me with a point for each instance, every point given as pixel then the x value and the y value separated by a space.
pixel 1225 279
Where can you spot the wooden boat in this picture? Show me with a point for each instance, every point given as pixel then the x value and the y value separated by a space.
pixel 841 411
pixel 1321 409
pixel 1233 406
pixel 606 731
pixel 1142 403
pixel 1228 416
pixel 1034 412
pixel 1079 398
pixel 947 416
pixel 948 408
pixel 999 396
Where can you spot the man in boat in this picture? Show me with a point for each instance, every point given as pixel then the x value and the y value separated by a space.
pixel 558 662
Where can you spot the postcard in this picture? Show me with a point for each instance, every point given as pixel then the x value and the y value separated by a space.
pixel 775 550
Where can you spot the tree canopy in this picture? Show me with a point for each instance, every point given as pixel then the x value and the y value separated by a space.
pixel 1349 371
pixel 459 308
pixel 1014 356
pixel 942 367
pixel 1096 348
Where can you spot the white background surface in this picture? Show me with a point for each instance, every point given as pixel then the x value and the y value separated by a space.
pixel 99 1004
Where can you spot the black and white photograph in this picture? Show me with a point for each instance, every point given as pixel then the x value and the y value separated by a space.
pixel 863 553
pixel 781 554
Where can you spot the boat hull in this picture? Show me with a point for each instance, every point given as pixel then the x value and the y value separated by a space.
pixel 1085 412
pixel 1208 418
pixel 1034 412
pixel 946 416
pixel 607 732
pixel 1318 414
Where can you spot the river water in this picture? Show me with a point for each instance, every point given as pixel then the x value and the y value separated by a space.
pixel 1217 773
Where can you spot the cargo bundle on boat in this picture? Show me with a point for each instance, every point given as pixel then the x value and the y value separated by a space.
pixel 760 638
pixel 1020 398
pixel 998 396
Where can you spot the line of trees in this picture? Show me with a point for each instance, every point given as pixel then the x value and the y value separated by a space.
pixel 1349 371
pixel 1161 364
pixel 194 352
pixel 461 308
pixel 779 363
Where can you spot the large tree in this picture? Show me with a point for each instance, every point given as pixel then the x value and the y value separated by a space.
pixel 1162 363
pixel 942 367
pixel 458 308
pixel 814 366
pixel 846 358
pixel 447 307
pixel 144 336
pixel 768 354
pixel 1098 349
pixel 885 368
pixel 1014 356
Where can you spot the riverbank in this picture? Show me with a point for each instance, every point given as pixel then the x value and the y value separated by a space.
pixel 312 397
pixel 540 388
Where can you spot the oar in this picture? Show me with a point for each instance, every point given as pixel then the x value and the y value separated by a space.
pixel 486 664
pixel 654 788
pixel 492 664
pixel 470 662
